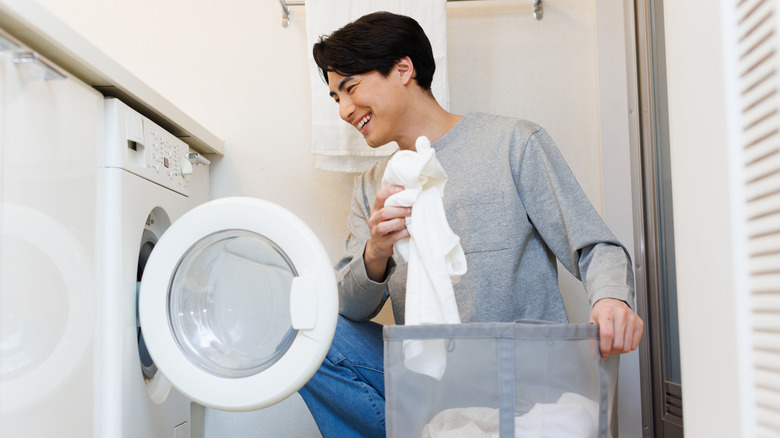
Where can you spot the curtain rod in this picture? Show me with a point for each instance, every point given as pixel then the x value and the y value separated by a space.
pixel 286 9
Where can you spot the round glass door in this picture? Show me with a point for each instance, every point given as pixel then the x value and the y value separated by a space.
pixel 238 294
pixel 229 303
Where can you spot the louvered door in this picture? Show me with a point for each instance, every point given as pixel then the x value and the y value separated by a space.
pixel 758 50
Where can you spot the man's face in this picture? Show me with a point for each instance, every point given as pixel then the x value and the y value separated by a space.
pixel 368 102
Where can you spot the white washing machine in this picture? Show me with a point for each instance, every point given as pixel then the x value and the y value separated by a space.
pixel 50 131
pixel 230 305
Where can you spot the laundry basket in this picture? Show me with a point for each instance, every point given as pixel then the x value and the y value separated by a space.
pixel 524 379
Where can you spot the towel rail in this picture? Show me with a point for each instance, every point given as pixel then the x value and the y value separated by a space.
pixel 538 10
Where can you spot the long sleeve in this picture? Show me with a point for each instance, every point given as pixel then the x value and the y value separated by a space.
pixel 568 223
pixel 360 298
pixel 516 206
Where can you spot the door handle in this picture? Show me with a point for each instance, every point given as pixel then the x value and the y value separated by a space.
pixel 303 303
pixel 198 159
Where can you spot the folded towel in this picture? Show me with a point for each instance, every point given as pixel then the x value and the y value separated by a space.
pixel 433 252
pixel 338 146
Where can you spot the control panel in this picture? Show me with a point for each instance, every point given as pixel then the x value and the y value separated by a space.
pixel 138 145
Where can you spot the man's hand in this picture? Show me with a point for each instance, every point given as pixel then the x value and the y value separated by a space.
pixel 387 226
pixel 620 329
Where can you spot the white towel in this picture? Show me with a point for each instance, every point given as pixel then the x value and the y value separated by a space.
pixel 338 146
pixel 433 252
pixel 572 416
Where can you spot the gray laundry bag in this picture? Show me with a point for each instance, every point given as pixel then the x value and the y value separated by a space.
pixel 525 379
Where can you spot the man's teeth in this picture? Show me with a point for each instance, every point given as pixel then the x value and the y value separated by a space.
pixel 363 121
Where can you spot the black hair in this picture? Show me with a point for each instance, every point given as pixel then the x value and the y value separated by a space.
pixel 376 42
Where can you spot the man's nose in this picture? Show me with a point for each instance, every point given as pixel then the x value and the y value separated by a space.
pixel 346 109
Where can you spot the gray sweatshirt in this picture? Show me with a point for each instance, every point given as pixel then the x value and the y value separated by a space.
pixel 516 206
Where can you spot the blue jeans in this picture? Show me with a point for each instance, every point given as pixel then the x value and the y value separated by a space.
pixel 346 396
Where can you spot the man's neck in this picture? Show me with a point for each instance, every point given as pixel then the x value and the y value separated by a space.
pixel 428 118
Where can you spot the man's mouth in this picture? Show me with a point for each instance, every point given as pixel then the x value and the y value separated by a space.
pixel 363 122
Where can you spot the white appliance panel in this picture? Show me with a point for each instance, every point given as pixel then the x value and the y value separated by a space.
pixel 238 303
pixel 49 138
pixel 142 147
pixel 131 406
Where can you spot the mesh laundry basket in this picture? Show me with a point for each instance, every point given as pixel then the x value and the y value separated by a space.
pixel 501 380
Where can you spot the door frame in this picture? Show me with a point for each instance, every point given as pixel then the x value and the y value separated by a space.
pixel 662 412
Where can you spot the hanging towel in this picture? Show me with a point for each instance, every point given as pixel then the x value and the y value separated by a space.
pixel 433 253
pixel 337 146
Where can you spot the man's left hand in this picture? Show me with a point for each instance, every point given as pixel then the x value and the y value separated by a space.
pixel 620 329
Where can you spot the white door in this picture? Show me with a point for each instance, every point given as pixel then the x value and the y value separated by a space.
pixel 49 137
pixel 238 304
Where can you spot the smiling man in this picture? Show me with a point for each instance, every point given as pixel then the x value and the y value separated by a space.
pixel 510 197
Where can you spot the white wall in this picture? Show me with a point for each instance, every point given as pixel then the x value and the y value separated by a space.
pixel 241 74
pixel 503 61
pixel 235 69
pixel 619 126
pixel 706 267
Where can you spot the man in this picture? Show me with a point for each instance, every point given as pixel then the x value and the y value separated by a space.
pixel 510 197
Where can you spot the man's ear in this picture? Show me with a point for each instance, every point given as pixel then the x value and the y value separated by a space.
pixel 405 69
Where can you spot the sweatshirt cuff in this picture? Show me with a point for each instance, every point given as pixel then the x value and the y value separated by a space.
pixel 622 293
pixel 357 268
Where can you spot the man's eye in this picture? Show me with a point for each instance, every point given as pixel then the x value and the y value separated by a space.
pixel 350 88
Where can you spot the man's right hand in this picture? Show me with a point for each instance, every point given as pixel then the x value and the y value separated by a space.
pixel 387 226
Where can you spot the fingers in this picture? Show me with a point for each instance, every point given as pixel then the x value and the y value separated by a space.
pixel 387 225
pixel 606 335
pixel 620 329
pixel 382 195
pixel 390 222
pixel 633 327
pixel 639 329
pixel 385 220
pixel 389 218
pixel 384 233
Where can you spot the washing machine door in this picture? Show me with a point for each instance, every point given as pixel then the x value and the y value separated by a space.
pixel 238 304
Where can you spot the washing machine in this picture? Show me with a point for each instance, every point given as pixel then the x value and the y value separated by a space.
pixel 230 304
pixel 50 131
